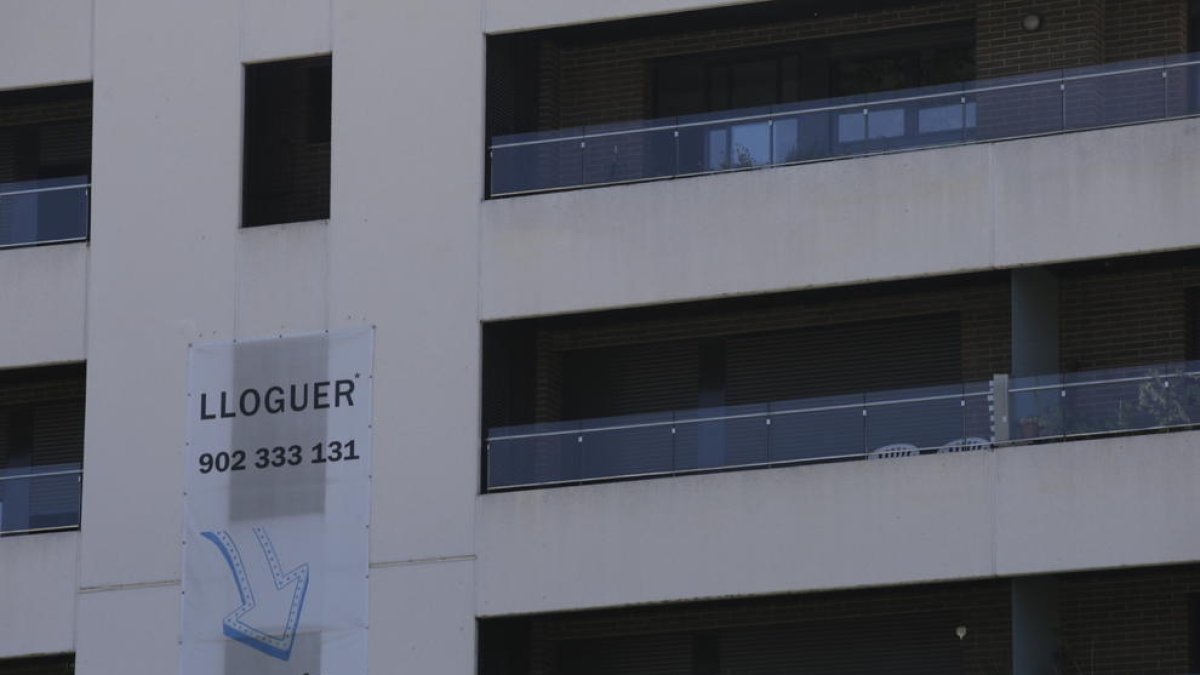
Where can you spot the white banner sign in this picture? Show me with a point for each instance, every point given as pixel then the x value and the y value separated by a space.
pixel 276 506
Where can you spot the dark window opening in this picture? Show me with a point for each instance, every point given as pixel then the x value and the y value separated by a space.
pixel 761 367
pixel 1193 324
pixel 686 387
pixel 742 351
pixel 913 643
pixel 41 448
pixel 45 164
pixel 761 636
pixel 60 664
pixel 1194 633
pixel 503 646
pixel 1194 27
pixel 286 152
pixel 715 81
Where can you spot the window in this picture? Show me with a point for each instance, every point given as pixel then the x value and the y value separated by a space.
pixel 41 448
pixel 61 664
pixel 1194 632
pixel 1193 324
pixel 816 69
pixel 45 162
pixel 285 162
pixel 1194 27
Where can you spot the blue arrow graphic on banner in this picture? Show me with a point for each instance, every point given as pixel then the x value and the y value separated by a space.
pixel 234 626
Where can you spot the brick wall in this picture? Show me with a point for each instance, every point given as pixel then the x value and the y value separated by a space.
pixel 57 129
pixel 1112 622
pixel 1071 35
pixel 1135 29
pixel 984 607
pixel 1127 313
pixel 1124 317
pixel 611 81
pixel 1127 621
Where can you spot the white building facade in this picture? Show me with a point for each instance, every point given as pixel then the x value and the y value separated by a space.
pixel 709 337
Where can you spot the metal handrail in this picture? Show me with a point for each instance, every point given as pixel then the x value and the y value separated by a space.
pixel 863 405
pixel 582 134
pixel 1115 380
pixel 765 414
pixel 998 395
pixel 57 188
pixel 65 472
pixel 39 530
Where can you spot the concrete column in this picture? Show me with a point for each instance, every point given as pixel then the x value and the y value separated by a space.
pixel 1034 342
pixel 1034 625
pixel 1034 322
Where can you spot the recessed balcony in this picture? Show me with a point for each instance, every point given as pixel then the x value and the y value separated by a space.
pixel 45 165
pixel 882 425
pixel 995 109
pixel 44 211
pixel 876 372
pixel 41 449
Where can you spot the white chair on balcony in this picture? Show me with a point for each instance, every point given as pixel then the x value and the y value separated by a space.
pixel 894 450
pixel 969 444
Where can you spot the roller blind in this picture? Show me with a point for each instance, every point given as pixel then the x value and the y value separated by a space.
pixel 844 359
pixel 661 654
pixel 41 420
pixel 632 379
pixel 911 644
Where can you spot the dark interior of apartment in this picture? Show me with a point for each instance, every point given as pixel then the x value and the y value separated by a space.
pixel 45 163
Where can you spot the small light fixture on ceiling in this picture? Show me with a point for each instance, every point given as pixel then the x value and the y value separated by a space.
pixel 1032 23
pixel 961 632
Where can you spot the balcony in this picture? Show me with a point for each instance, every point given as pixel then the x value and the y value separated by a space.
pixel 41 449
pixel 45 499
pixel 45 165
pixel 884 425
pixel 988 110
pixel 45 211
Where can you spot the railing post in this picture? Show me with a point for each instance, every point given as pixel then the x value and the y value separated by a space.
pixel 770 438
pixel 674 444
pixel 1000 424
pixel 1062 92
pixel 865 448
pixel 962 116
pixel 1166 110
pixel 676 140
pixel 579 461
pixel 771 142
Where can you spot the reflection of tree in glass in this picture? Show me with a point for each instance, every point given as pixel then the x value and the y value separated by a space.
pixel 1163 401
pixel 919 68
pixel 745 158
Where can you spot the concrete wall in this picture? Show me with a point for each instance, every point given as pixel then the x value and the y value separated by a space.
pixel 1021 510
pixel 44 289
pixel 45 43
pixel 411 249
pixel 504 16
pixel 611 77
pixel 167 265
pixel 37 590
pixel 926 213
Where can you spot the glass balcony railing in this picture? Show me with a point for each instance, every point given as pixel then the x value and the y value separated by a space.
pixel 732 140
pixel 44 211
pixel 1074 405
pixel 40 498
pixel 877 425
